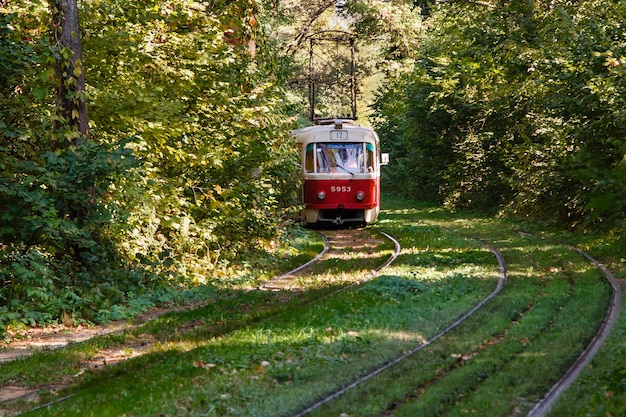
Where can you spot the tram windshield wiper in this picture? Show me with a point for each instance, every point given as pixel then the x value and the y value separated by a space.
pixel 345 169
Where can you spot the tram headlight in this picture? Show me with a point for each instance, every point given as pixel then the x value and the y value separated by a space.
pixel 321 195
pixel 360 195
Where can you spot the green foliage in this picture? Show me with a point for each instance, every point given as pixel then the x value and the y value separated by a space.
pixel 385 35
pixel 206 172
pixel 56 252
pixel 15 55
pixel 57 201
pixel 210 121
pixel 515 107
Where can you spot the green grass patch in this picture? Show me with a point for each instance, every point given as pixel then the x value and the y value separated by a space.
pixel 275 366
pixel 261 353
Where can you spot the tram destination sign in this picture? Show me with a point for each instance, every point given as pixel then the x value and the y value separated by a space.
pixel 338 135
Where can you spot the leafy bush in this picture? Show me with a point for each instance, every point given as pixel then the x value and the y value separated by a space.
pixel 514 108
pixel 206 172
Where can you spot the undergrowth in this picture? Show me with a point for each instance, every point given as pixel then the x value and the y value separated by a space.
pixel 38 296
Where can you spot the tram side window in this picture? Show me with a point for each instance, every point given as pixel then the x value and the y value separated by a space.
pixel 308 158
pixel 369 161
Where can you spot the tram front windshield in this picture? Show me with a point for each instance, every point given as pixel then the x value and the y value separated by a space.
pixel 352 158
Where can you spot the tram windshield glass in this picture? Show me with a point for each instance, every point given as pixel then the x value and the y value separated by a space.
pixel 352 158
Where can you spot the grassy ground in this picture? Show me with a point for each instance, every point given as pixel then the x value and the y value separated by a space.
pixel 260 353
pixel 503 359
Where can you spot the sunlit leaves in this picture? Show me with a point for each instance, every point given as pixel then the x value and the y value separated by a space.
pixel 516 106
pixel 207 171
pixel 209 118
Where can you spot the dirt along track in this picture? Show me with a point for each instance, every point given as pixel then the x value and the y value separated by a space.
pixel 361 244
pixel 337 243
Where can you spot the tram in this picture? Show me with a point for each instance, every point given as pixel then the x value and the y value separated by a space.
pixel 340 173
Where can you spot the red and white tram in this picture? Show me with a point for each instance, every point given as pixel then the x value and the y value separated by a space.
pixel 340 173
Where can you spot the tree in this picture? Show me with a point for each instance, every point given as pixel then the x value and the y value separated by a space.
pixel 384 34
pixel 71 99
pixel 515 107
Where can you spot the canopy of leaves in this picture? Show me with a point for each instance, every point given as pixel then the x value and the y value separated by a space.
pixel 385 35
pixel 514 107
pixel 189 162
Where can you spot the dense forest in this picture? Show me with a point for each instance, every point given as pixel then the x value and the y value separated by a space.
pixel 149 148
pixel 515 107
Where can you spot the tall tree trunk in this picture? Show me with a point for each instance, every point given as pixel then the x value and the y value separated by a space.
pixel 71 99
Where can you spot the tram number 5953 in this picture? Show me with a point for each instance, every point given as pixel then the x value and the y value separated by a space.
pixel 340 189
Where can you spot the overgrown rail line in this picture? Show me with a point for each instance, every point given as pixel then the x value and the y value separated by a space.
pixel 279 283
pixel 411 352
pixel 547 402
pixel 460 360
pixel 541 407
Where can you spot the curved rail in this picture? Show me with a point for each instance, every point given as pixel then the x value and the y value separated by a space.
pixel 389 364
pixel 394 255
pixel 272 284
pixel 327 246
pixel 545 404
pixel 306 264
pixel 374 273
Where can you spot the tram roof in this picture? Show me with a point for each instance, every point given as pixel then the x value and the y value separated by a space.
pixel 322 132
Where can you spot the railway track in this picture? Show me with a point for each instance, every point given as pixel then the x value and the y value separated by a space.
pixel 341 239
pixel 547 402
pixel 540 407
pixel 389 364
pixel 289 279
pixel 339 243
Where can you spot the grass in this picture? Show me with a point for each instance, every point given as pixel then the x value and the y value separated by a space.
pixel 260 353
pixel 501 360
